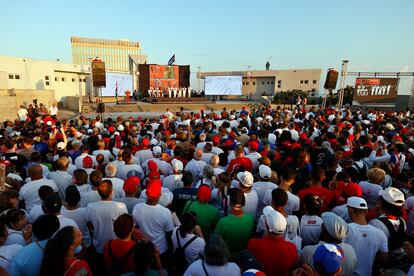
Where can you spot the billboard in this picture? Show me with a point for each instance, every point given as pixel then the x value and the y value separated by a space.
pixel 163 76
pixel 117 83
pixel 223 85
pixel 376 90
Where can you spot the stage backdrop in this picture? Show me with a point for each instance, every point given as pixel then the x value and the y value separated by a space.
pixel 376 90
pixel 223 85
pixel 124 82
pixel 163 77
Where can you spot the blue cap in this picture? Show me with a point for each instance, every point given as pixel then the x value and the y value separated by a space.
pixel 328 258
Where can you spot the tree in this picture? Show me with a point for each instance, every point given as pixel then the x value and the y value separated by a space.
pixel 288 97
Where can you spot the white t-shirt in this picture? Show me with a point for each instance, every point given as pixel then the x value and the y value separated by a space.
pixel 366 241
pixel 122 173
pixel 15 237
pixel 117 186
pixel 164 167
pixel 196 269
pixel 64 221
pixel 370 193
pixel 252 202
pixel 310 229
pixel 62 180
pixel 254 156
pixel 53 110
pixel 7 255
pixel 106 153
pixel 89 197
pixel 144 155
pixel 79 160
pixel 173 182
pixel 154 221
pixel 22 113
pixel 261 187
pixel 194 250
pixel 195 167
pixel 342 211
pixel 102 215
pixel 79 216
pixel 29 192
pixel 35 213
pixel 292 205
pixel 292 226
pixel 409 205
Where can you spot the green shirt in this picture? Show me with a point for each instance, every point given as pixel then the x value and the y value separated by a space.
pixel 236 231
pixel 207 216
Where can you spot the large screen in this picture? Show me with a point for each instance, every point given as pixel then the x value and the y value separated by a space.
pixel 163 77
pixel 117 83
pixel 223 85
pixel 376 90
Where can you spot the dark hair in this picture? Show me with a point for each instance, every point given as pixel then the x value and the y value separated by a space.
pixel 188 222
pixel 279 197
pixel 216 251
pixel 317 173
pixel 143 256
pixel 3 230
pixel 45 226
pixel 36 156
pixel 105 189
pixel 12 216
pixel 187 178
pixel 288 174
pixel 72 195
pixel 44 191
pixel 237 197
pixel 313 204
pixel 81 176
pixel 5 199
pixel 95 178
pixel 343 176
pixel 55 252
pixel 123 226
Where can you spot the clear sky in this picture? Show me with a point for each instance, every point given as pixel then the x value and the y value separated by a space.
pixel 223 34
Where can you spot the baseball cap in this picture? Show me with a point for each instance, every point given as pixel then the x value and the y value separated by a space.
pixel 156 150
pixel 335 225
pixel 392 195
pixel 275 220
pixel 352 189
pixel 177 165
pixel 265 172
pixel 254 145
pixel 131 184
pixel 154 189
pixel 253 272
pixel 245 178
pixel 152 165
pixel 61 145
pixel 244 130
pixel 204 193
pixel 52 203
pixel 153 142
pixel 145 142
pixel 327 258
pixel 357 203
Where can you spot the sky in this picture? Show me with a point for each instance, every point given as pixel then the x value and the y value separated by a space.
pixel 223 35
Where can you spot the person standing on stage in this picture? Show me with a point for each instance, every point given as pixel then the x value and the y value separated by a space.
pixel 189 92
pixel 169 92
pixel 184 92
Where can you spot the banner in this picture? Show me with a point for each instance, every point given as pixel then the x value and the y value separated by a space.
pixel 376 90
pixel 163 77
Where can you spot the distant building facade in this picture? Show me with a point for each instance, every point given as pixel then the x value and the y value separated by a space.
pixel 259 83
pixel 115 53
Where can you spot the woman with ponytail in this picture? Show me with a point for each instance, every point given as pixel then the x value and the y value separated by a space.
pixel 59 255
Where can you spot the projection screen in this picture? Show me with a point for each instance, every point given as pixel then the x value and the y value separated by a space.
pixel 223 85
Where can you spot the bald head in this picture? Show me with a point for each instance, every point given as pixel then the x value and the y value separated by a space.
pixel 198 154
pixel 35 172
pixel 214 161
pixel 62 163
pixel 110 170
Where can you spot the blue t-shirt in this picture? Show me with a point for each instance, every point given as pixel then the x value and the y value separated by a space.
pixel 29 259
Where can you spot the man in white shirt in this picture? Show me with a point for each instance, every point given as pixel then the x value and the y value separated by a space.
pixel 246 186
pixel 207 154
pixel 369 242
pixel 254 155
pixel 29 191
pixel 163 166
pixel 79 160
pixel 102 214
pixel 173 181
pixel 92 196
pixel 123 170
pixel 53 110
pixel 265 173
pixel 196 165
pixel 145 153
pixel 22 113
pixel 214 162
pixel 101 150
pixel 154 220
pixel 117 183
pixel 61 177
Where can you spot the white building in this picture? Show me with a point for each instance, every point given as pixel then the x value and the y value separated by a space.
pixel 30 74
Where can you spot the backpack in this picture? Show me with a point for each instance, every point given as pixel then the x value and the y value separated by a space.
pixel 117 266
pixel 398 256
pixel 179 260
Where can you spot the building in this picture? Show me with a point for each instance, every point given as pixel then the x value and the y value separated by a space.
pixel 41 75
pixel 115 53
pixel 259 83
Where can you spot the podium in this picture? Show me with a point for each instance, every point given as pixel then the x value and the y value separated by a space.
pixel 127 96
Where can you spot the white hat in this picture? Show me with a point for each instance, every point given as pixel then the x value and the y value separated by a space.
pixel 265 172
pixel 389 126
pixel 380 138
pixel 116 133
pixel 245 178
pixel 49 123
pixel 232 117
pixel 275 220
pixel 79 134
pixel 177 165
pixel 61 145
pixel 166 198
pixel 272 138
pixel 269 118
pixel 365 122
pixel 392 195
pixel 120 127
pixel 90 131
pixel 154 142
pixel 357 203
pixel 156 150
pixel 244 130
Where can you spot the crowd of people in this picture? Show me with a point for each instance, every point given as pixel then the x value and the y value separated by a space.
pixel 256 191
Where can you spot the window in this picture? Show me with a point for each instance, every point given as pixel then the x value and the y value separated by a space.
pixel 63 79
pixel 279 82
pixel 301 82
pixel 11 77
pixel 268 83
pixel 263 83
pixel 17 77
pixel 247 83
pixel 314 81
pixel 306 81
pixel 313 94
pixel 313 90
pixel 244 83
pixel 84 80
pixel 47 83
pixel 47 78
pixel 272 83
pixel 279 86
pixel 254 83
pixel 56 79
pixel 73 79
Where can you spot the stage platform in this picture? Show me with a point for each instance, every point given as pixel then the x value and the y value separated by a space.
pixel 166 100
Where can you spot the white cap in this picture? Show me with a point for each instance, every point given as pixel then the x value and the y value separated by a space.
pixel 79 134
pixel 153 142
pixel 49 123
pixel 116 133
pixel 265 172
pixel 177 165
pixel 166 198
pixel 357 203
pixel 274 220
pixel 269 118
pixel 380 138
pixel 245 178
pixel 393 196
pixel 389 126
pixel 90 131
pixel 61 145
pixel 156 150
pixel 365 122
pixel 244 130
pixel 232 117
pixel 120 128
pixel 272 138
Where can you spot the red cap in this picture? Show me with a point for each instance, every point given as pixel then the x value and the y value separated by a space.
pixel 228 143
pixel 154 189
pixel 254 145
pixel 352 189
pixel 296 145
pixel 131 184
pixel 87 162
pixel 197 116
pixel 397 138
pixel 342 125
pixel 216 139
pixel 204 193
pixel 303 136
pixel 145 142
pixel 152 166
pixel 232 134
pixel 111 129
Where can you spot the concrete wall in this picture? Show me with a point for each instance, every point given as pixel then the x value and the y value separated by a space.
pixel 10 104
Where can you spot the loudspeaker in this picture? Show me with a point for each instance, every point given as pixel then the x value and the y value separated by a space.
pixel 331 79
pixel 98 74
pixel 100 108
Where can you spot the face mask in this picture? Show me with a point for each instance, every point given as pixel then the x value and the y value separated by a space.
pixel 78 249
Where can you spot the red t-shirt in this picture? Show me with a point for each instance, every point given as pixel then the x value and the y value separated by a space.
pixel 119 250
pixel 325 194
pixel 77 267
pixel 243 162
pixel 276 255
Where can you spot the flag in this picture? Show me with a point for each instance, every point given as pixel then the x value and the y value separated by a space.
pixel 172 60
